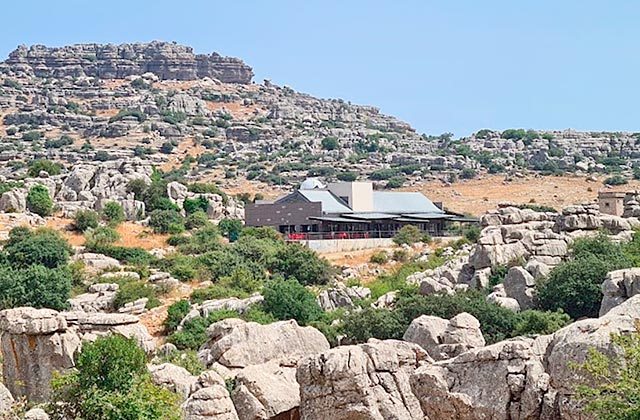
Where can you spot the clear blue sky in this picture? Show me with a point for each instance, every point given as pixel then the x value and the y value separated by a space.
pixel 454 66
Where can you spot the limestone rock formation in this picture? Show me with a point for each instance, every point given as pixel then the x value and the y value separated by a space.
pixel 174 378
pixel 444 339
pixel 210 400
pixel 35 344
pixel 233 343
pixel 619 286
pixel 165 60
pixel 367 381
pixel 266 391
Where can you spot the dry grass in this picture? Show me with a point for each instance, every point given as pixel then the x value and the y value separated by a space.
pixel 477 196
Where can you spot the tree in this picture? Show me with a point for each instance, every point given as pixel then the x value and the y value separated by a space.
pixel 44 247
pixel 85 219
pixel 192 205
pixel 175 314
pixel 111 383
pixel 383 324
pixel 35 286
pixel 167 147
pixel 113 213
pixel 230 228
pixel 39 201
pixel 166 221
pixel 611 390
pixel 288 299
pixel 330 143
pixel 408 235
pixel 50 167
pixel 301 263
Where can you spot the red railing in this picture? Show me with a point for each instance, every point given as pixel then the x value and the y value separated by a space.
pixel 310 236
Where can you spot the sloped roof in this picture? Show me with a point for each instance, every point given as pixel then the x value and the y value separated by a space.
pixel 330 203
pixel 403 202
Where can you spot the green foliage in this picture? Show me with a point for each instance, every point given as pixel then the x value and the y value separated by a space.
pixel 616 180
pixel 230 228
pixel 397 279
pixel 471 233
pixel 347 176
pixel 175 314
pixel 330 143
pixel 533 322
pixel 113 213
pixel 32 136
pixel 288 299
pixel 187 359
pixel 216 291
pixel 39 201
pixel 132 290
pixel 407 235
pixel 166 221
pixel 50 167
pixel 611 386
pixel 196 220
pixel 468 173
pixel 373 323
pixel 36 286
pixel 100 237
pixel 395 182
pixel 297 261
pixel 111 383
pixel 380 257
pixel 192 205
pixel 575 285
pixel 123 113
pixel 194 332
pixel 43 246
pixel 85 219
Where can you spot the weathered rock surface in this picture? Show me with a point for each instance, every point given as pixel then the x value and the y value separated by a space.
pixel 174 378
pixel 619 286
pixel 367 381
pixel 165 60
pixel 444 339
pixel 266 391
pixel 210 400
pixel 233 343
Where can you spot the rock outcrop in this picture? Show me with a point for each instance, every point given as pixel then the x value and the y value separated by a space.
pixel 444 339
pixel 210 400
pixel 367 381
pixel 233 343
pixel 163 59
pixel 619 286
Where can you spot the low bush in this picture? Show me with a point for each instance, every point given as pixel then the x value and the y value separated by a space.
pixel 113 213
pixel 408 235
pixel 288 299
pixel 130 291
pixel 42 246
pixel 166 221
pixel 85 219
pixel 39 201
pixel 175 314
pixel 380 257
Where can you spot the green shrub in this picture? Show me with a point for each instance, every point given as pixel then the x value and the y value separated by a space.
pixel 380 257
pixel 100 237
pixel 396 182
pixel 134 256
pixel 85 219
pixel 471 233
pixel 166 221
pixel 347 176
pixel 130 291
pixel 39 202
pixel 32 135
pixel 301 263
pixel 113 213
pixel 192 205
pixel 397 279
pixel 194 332
pixel 243 280
pixel 609 385
pixel 111 382
pixel 288 299
pixel 616 180
pixel 187 359
pixel 230 228
pixel 534 322
pixel 50 167
pixel 408 235
pixel 468 173
pixel 36 286
pixel 400 255
pixel 369 323
pixel 196 220
pixel 330 143
pixel 42 246
pixel 216 291
pixel 175 314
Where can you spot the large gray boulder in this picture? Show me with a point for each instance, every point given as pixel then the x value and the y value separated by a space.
pixel 209 400
pixel 619 286
pixel 519 285
pixel 367 381
pixel 443 339
pixel 6 399
pixel 266 391
pixel 35 344
pixel 233 343
pixel 14 201
pixel 175 378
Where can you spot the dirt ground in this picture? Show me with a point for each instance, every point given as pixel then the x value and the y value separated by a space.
pixel 477 196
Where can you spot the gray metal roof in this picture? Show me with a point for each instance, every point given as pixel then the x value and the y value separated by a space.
pixel 330 203
pixel 370 216
pixel 403 202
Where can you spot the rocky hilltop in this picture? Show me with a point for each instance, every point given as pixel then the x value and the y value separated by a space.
pixel 165 60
